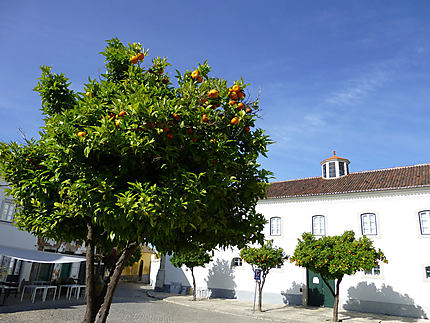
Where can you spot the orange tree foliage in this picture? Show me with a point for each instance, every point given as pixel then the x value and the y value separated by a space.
pixel 335 256
pixel 196 258
pixel 265 258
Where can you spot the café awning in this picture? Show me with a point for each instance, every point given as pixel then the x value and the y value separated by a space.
pixel 38 256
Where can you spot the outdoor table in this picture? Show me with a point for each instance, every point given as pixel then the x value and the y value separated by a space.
pixel 78 290
pixel 40 282
pixel 35 288
pixel 69 287
pixel 6 289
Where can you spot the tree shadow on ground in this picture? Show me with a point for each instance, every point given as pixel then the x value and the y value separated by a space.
pixel 294 294
pixel 370 299
pixel 220 280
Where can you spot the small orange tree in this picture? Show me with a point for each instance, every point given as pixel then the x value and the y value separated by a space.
pixel 138 157
pixel 335 256
pixel 265 258
pixel 198 258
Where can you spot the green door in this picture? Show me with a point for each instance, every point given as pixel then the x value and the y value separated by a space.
pixel 318 292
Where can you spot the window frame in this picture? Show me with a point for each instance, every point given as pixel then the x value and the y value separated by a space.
pixel 238 264
pixel 373 271
pixel 341 168
pixel 11 205
pixel 362 216
pixel 420 213
pixel 271 231
pixel 319 216
pixel 332 170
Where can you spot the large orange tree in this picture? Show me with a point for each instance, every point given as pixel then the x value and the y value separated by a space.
pixel 139 157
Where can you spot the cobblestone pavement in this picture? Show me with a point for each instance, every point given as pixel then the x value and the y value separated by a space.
pixel 131 304
pixel 135 302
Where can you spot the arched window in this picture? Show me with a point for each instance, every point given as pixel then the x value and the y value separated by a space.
pixel 368 224
pixel 275 226
pixel 424 217
pixel 318 225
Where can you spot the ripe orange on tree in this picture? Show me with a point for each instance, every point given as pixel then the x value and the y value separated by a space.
pixel 240 94
pixel 195 75
pixel 205 118
pixel 248 110
pixel 213 93
pixel 232 102
pixel 122 113
pixel 233 95
pixel 235 88
pixel 235 121
pixel 176 116
pixel 82 134
pixel 240 106
pixel 117 122
pixel 140 56
pixel 134 59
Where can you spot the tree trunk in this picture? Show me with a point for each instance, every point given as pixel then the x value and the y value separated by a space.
pixel 336 301
pixel 194 284
pixel 113 282
pixel 260 293
pixel 91 310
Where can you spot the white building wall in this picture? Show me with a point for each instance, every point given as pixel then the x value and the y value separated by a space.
pixel 401 289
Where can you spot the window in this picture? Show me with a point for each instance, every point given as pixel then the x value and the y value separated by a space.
pixel 275 226
pixel 332 169
pixel 368 224
pixel 427 272
pixel 318 225
pixel 7 210
pixel 374 272
pixel 324 170
pixel 341 168
pixel 236 262
pixel 424 222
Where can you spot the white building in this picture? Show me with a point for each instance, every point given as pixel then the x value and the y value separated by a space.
pixel 19 255
pixel 390 206
pixel 10 236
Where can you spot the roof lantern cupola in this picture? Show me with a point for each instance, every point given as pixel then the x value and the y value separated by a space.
pixel 334 167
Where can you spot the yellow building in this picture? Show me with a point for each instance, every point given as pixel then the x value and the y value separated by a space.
pixel 140 269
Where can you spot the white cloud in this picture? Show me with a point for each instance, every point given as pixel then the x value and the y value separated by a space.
pixel 360 88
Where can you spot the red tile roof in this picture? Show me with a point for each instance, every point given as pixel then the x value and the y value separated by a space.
pixel 375 180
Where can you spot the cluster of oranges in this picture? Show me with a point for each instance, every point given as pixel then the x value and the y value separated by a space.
pixel 236 93
pixel 138 57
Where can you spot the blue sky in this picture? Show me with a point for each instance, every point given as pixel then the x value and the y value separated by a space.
pixel 350 76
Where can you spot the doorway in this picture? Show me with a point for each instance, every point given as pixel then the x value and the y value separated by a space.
pixel 318 292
